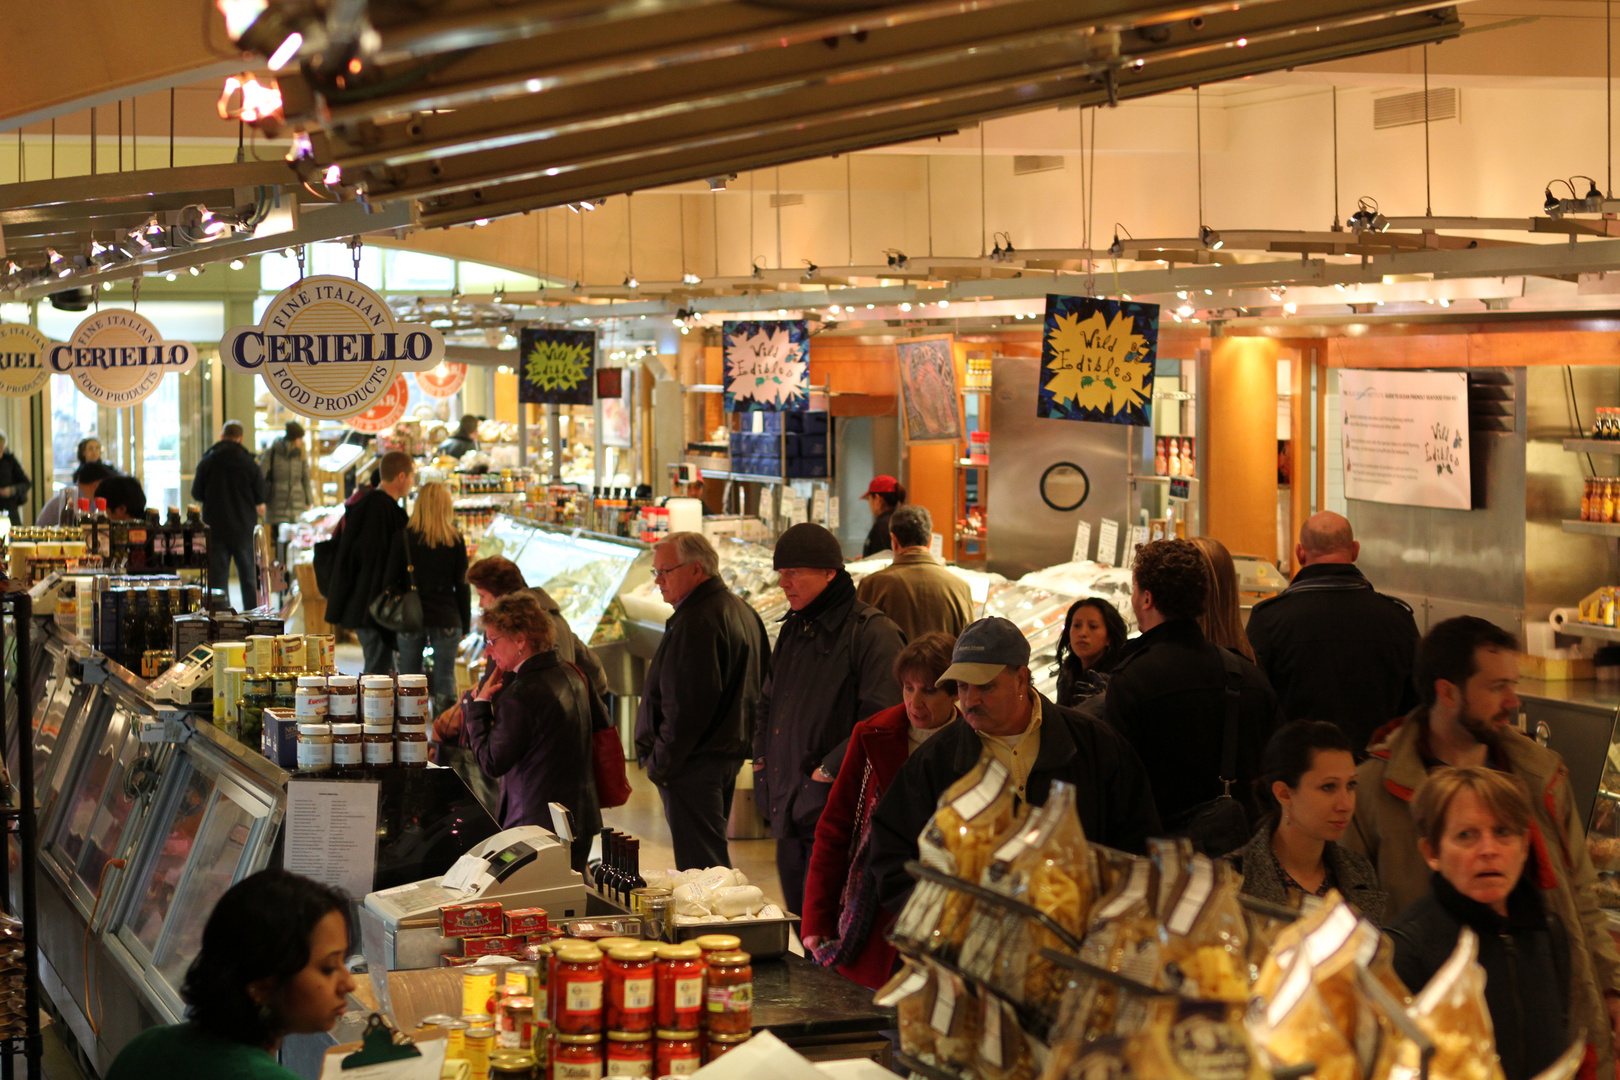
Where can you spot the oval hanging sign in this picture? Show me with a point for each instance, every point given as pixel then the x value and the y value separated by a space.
pixel 329 347
pixel 442 381
pixel 24 365
pixel 117 357
pixel 388 410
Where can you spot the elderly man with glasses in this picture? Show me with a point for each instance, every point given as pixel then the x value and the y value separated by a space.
pixel 695 727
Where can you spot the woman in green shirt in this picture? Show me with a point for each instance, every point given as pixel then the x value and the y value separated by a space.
pixel 271 965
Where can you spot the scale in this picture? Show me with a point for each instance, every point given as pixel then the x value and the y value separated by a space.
pixel 182 681
pixel 523 867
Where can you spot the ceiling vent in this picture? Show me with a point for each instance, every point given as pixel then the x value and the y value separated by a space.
pixel 1024 164
pixel 1398 110
pixel 787 200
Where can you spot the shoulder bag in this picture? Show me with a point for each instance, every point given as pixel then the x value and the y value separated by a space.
pixel 1221 825
pixel 398 611
pixel 607 753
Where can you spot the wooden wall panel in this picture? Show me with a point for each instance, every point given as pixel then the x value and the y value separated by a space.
pixel 1421 351
pixel 931 482
pixel 1239 450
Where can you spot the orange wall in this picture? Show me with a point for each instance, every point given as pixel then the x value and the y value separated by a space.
pixel 1240 446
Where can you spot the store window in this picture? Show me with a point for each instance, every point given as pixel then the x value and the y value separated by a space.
pixel 414 270
pixel 73 417
pixel 160 422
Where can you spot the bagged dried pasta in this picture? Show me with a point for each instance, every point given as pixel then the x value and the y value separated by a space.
pixel 911 994
pixel 1101 1059
pixel 1005 1051
pixel 1123 938
pixel 954 1020
pixel 1451 1011
pixel 1295 1026
pixel 1187 1040
pixel 1205 941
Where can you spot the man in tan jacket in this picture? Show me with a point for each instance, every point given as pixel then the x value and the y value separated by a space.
pixel 1466 671
pixel 916 590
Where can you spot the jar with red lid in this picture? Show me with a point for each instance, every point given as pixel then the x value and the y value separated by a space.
pixel 630 1053
pixel 577 991
pixel 677 1053
pixel 576 1057
pixel 630 978
pixel 721 1045
pixel 680 987
pixel 729 996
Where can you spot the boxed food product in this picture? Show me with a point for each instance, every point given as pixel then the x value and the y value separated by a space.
pixel 478 919
pixel 530 920
pixel 494 945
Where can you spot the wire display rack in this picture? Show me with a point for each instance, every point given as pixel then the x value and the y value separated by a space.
pixel 17 821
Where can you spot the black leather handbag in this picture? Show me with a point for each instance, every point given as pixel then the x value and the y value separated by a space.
pixel 1221 825
pixel 399 611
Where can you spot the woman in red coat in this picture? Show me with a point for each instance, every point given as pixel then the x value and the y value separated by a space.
pixel 844 928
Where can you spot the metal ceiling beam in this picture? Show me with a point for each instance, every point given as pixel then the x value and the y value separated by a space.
pixel 159 188
pixel 638 156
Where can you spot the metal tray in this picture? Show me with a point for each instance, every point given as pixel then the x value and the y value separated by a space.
pixel 762 939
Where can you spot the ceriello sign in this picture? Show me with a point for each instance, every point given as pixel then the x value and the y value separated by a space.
pixel 117 357
pixel 329 347
pixel 23 364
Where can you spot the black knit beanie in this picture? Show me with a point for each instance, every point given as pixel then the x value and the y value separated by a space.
pixel 808 546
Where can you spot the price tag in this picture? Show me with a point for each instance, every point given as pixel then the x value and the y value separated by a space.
pixel 1082 542
pixel 1179 487
pixel 1108 542
pixel 1139 536
pixel 832 513
pixel 936 545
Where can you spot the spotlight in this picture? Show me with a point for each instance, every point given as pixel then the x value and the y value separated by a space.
pixel 1116 249
pixel 718 183
pixel 690 278
pixel 237 264
pixel 835 309
pixel 1445 301
pixel 1184 310
pixel 1550 203
pixel 630 282
pixel 810 269
pixel 1210 238
pixel 286 50
pixel 897 259
pixel 1367 217
pixel 1290 307
pixel 106 286
pixel 171 276
pixel 905 307
pixel 53 256
pixel 944 303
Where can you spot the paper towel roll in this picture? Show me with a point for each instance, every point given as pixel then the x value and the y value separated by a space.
pixel 1562 615
pixel 1539 638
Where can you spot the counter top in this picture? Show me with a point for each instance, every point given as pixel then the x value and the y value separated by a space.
pixel 794 996
pixel 1587 692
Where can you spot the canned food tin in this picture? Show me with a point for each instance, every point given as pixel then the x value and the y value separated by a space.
pixel 479 1042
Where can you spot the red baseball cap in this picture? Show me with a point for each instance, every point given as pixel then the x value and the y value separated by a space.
pixel 882 485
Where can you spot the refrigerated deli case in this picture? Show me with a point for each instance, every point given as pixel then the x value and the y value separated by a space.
pixel 145 820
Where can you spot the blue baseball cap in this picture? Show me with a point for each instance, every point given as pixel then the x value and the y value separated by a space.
pixel 984 650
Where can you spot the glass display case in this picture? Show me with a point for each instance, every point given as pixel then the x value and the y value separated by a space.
pixel 583 572
pixel 1603 832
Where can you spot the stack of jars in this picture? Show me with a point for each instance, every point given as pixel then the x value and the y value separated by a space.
pixel 369 725
pixel 1600 501
pixel 272 669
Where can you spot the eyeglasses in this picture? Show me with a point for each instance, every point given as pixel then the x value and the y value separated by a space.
pixel 657 573
pixel 491 639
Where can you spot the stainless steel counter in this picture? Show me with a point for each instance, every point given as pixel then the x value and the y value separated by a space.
pixel 1577 719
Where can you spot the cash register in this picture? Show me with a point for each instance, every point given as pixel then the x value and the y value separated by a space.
pixel 523 867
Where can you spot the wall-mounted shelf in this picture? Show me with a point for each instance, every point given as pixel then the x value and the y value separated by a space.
pixel 1593 528
pixel 972 464
pixel 1160 479
pixel 706 388
pixel 1591 630
pixel 1592 446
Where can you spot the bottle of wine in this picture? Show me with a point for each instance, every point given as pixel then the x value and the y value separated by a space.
pixel 604 868
pixel 118 544
pixel 88 528
pixel 135 542
pixel 633 868
pixel 196 539
pixel 174 541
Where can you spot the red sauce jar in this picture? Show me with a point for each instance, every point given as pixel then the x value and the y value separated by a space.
pixel 730 994
pixel 677 1053
pixel 680 987
pixel 630 1053
pixel 720 1045
pixel 630 982
pixel 577 990
pixel 576 1057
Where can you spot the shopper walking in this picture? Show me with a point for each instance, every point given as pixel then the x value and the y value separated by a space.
pixel 1222 620
pixel 1037 740
pixel 496 576
pixel 844 926
pixel 916 590
pixel 1474 830
pixel 1333 647
pixel 695 724
pixel 87 478
pixel 833 666
pixel 530 725
pixel 286 481
pixel 1169 692
pixel 230 486
pixel 359 573
pixel 1467 671
pixel 431 554
pixel 1308 789
pixel 883 494
pixel 1093 637
pixel 465 438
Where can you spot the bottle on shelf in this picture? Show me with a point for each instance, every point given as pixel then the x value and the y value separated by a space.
pixel 135 544
pixel 118 544
pixel 632 865
pixel 88 529
pixel 174 541
pixel 196 539
pixel 604 868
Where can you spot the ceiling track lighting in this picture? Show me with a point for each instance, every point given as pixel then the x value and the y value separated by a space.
pixel 1367 217
pixel 897 259
pixel 1209 238
pixel 1000 253
pixel 690 278
pixel 1590 203
pixel 810 270
pixel 630 282
pixel 1117 249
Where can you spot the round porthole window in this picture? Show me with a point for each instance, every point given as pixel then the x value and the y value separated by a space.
pixel 1065 486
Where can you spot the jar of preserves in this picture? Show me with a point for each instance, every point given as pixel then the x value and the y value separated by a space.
pixel 713 943
pixel 411 745
pixel 630 978
pixel 720 1045
pixel 576 1057
pixel 511 1065
pixel 342 696
pixel 680 972
pixel 314 747
pixel 478 1044
pixel 377 699
pixel 346 749
pixel 411 699
pixel 309 699
pixel 630 1053
pixel 256 697
pixel 515 1022
pixel 284 689
pixel 676 1053
pixel 377 744
pixel 577 991
pixel 729 995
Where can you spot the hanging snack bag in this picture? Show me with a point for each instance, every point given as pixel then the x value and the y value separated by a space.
pixel 1004 1049
pixel 1451 1011
pixel 910 993
pixel 1188 1040
pixel 955 1021
pixel 1294 1026
pixel 1205 935
pixel 1123 938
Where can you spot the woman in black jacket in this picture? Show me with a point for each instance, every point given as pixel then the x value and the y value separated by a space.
pixel 431 544
pixel 1093 635
pixel 1474 831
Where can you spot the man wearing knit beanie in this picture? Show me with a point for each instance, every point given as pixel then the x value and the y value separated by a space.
pixel 833 666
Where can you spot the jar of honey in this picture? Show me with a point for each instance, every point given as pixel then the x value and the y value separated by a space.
pixel 730 994
pixel 577 990
pixel 680 972
pixel 630 978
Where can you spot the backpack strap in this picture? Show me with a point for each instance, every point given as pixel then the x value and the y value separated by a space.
pixel 1229 729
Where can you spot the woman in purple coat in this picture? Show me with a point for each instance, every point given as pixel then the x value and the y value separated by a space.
pixel 530 724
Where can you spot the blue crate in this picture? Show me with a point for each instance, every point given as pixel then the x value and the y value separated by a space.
pixel 812 468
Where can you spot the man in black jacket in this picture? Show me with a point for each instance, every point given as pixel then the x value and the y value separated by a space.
pixel 1038 741
pixel 696 723
pixel 14 483
pixel 359 572
pixel 230 486
pixel 1168 691
pixel 833 666
pixel 1333 647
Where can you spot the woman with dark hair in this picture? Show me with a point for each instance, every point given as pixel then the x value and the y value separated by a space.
pixel 1093 635
pixel 883 494
pixel 844 927
pixel 89 452
pixel 271 965
pixel 1307 787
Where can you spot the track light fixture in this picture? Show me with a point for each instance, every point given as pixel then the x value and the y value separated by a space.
pixel 1367 217
pixel 1117 249
pixel 1000 253
pixel 1209 238
pixel 690 278
pixel 630 282
pixel 897 259
pixel 810 269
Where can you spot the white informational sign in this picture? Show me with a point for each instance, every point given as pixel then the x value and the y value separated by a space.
pixel 936 545
pixel 818 506
pixel 1108 542
pixel 1139 536
pixel 332 833
pixel 832 510
pixel 1082 542
pixel 1406 437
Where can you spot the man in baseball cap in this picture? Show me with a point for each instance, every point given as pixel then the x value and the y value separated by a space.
pixel 1037 741
pixel 883 494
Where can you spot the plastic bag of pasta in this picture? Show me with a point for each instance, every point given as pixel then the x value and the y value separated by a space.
pixel 1568 1065
pixel 1294 1026
pixel 1005 1052
pixel 1123 938
pixel 1451 1011
pixel 911 994
pixel 954 1020
pixel 1205 935
pixel 1186 1040
pixel 1102 1059
pixel 1274 966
